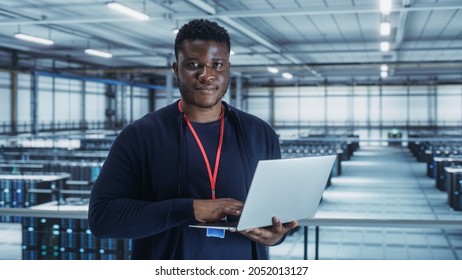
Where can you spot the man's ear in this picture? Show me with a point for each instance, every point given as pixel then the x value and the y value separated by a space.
pixel 175 68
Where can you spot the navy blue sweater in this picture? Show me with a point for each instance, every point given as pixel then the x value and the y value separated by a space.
pixel 140 193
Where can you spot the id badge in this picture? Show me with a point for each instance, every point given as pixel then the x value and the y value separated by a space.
pixel 214 232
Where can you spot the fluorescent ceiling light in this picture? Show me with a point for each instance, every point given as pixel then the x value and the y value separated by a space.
pixel 273 70
pixel 384 67
pixel 34 39
pixel 385 6
pixel 128 11
pixel 175 30
pixel 232 52
pixel 385 28
pixel 384 46
pixel 98 53
pixel 384 74
pixel 287 75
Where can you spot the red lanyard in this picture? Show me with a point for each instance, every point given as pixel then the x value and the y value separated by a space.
pixel 212 177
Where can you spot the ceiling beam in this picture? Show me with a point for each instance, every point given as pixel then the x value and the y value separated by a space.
pixel 401 28
pixel 262 41
pixel 71 21
pixel 234 14
pixel 244 30
pixel 318 11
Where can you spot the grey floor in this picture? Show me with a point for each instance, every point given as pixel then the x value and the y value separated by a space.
pixel 382 183
pixel 10 241
pixel 378 182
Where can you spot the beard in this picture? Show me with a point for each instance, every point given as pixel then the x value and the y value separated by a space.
pixel 206 102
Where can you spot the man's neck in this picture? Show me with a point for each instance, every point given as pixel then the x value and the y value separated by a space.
pixel 202 115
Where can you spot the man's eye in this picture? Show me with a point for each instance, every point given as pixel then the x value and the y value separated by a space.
pixel 218 65
pixel 193 65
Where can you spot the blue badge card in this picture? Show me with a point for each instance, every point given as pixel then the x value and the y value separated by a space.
pixel 214 232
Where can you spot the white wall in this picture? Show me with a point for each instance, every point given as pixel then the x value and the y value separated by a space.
pixel 359 105
pixel 306 105
pixel 5 97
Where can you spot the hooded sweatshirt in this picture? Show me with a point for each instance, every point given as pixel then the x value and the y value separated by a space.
pixel 154 171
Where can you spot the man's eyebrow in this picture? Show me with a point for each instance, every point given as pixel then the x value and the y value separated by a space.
pixel 191 59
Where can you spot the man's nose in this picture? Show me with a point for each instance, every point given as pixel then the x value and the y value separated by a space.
pixel 207 73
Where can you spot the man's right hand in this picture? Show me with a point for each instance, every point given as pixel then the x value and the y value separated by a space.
pixel 213 210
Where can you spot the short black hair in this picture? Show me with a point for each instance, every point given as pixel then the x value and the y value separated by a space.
pixel 201 29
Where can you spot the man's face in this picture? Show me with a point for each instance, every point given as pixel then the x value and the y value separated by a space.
pixel 202 71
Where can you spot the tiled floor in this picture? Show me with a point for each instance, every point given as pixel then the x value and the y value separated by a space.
pixel 10 241
pixel 378 182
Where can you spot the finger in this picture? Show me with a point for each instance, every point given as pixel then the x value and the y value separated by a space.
pixel 291 225
pixel 231 202
pixel 237 212
pixel 277 225
pixel 233 211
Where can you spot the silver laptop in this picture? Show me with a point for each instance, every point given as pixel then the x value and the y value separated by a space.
pixel 289 189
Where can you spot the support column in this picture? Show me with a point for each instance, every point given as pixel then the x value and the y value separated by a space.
pixel 169 87
pixel 83 111
pixel 152 97
pixel 299 108
pixel 351 108
pixel 110 110
pixel 34 103
pixel 380 108
pixel 271 103
pixel 53 99
pixel 119 105
pixel 239 92
pixel 169 80
pixel 53 103
pixel 14 94
pixel 326 108
pixel 408 106
pixel 131 104
pixel 369 128
pixel 435 105
pixel 14 102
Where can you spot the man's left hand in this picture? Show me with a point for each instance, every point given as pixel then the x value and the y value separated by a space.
pixel 270 235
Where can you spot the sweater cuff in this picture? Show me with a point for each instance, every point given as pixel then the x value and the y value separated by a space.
pixel 183 210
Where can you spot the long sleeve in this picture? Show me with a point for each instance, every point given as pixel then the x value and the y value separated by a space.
pixel 123 201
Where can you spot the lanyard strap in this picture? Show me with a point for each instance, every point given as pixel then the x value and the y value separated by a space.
pixel 212 177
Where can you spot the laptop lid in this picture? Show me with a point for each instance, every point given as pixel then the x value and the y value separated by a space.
pixel 289 189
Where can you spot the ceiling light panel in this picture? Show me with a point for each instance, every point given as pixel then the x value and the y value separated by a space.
pixel 35 39
pixel 98 53
pixel 127 10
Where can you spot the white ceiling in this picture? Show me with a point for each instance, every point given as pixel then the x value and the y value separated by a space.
pixel 316 40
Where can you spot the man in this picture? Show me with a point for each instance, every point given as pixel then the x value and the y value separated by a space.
pixel 187 162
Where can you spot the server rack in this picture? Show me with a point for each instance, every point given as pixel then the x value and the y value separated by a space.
pixel 443 163
pixel 454 186
pixel 22 191
pixel 60 237
pixel 67 239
